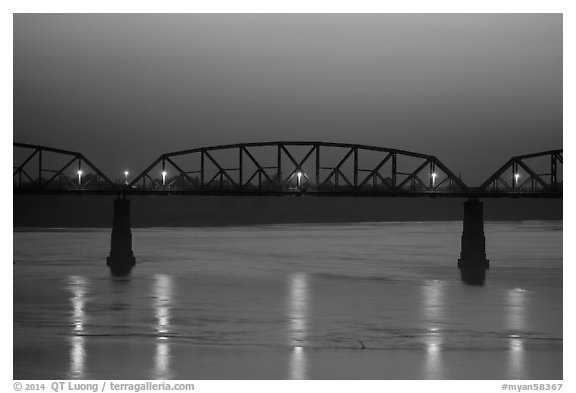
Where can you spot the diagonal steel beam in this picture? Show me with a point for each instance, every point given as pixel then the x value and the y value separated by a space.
pixel 534 175
pixel 251 177
pixel 449 173
pixel 154 181
pixel 95 169
pixel 60 171
pixel 376 169
pixel 298 166
pixel 337 168
pixel 212 179
pixel 496 175
pixel 144 173
pixel 384 181
pixel 414 173
pixel 224 172
pixel 26 161
pixel 88 182
pixel 28 176
pixel 506 184
pixel 179 169
pixel 257 164
pixel 426 186
pixel 345 178
pixel 442 182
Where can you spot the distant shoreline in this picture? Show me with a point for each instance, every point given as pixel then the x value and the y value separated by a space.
pixel 193 212
pixel 288 224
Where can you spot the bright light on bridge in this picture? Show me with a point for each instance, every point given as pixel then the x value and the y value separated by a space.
pixel 299 177
pixel 516 177
pixel 163 178
pixel 434 178
pixel 79 176
pixel 126 173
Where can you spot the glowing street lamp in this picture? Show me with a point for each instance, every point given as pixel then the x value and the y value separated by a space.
pixel 516 177
pixel 433 179
pixel 79 176
pixel 126 173
pixel 163 178
pixel 299 177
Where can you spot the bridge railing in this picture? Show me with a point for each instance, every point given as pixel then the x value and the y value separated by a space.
pixel 298 167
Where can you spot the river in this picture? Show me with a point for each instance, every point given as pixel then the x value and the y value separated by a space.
pixel 369 301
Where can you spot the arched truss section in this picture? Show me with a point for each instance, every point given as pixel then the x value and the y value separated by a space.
pixel 41 168
pixel 278 167
pixel 531 173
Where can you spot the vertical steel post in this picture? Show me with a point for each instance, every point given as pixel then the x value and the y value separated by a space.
pixel 553 172
pixel 240 177
pixel 201 168
pixel 279 166
pixel 394 171
pixel 318 166
pixel 355 167
pixel 39 167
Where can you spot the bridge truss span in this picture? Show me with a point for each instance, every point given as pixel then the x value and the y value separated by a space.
pixel 298 167
pixel 45 169
pixel 287 168
pixel 537 174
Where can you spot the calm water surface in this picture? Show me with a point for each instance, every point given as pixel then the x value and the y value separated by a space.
pixel 289 302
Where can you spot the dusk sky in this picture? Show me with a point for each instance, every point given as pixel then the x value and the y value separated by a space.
pixel 471 89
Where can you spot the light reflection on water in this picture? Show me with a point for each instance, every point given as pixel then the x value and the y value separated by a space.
pixel 517 300
pixel 163 298
pixel 79 287
pixel 298 304
pixel 433 302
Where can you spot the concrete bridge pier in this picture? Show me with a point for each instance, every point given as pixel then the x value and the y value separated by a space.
pixel 472 262
pixel 121 259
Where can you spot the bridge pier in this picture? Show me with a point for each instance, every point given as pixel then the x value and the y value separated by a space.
pixel 121 259
pixel 472 262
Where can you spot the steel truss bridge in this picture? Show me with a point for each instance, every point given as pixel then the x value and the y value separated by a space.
pixel 286 168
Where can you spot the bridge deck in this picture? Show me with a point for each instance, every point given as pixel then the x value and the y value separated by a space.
pixel 288 193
